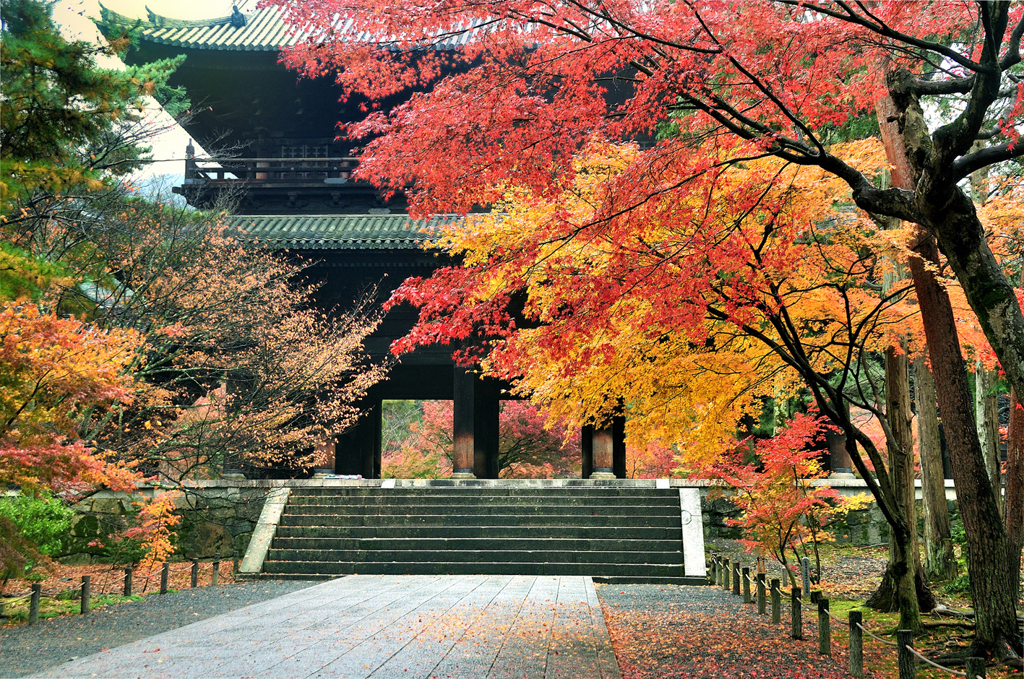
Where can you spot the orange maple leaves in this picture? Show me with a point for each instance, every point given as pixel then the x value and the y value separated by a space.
pixel 53 370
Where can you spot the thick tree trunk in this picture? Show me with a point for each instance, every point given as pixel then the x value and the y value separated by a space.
pixel 939 559
pixel 986 416
pixel 990 561
pixel 902 581
pixel 1014 514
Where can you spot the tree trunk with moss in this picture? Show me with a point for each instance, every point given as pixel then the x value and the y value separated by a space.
pixel 939 558
pixel 903 587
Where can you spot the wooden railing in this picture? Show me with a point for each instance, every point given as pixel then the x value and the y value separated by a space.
pixel 277 170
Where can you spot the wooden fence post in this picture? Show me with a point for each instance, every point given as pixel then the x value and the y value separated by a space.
pixel 86 586
pixel 904 638
pixel 760 594
pixel 975 668
pixel 195 573
pixel 713 573
pixel 128 572
pixel 746 586
pixel 824 627
pixel 216 573
pixel 726 580
pixel 797 614
pixel 165 574
pixel 736 578
pixel 856 645
pixel 776 601
pixel 33 605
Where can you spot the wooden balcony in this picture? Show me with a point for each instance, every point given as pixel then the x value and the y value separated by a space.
pixel 277 171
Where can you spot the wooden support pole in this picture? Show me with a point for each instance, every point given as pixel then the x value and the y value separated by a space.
pixel 712 574
pixel 463 420
pixel 746 586
pixel 975 668
pixel 727 580
pixel 907 662
pixel 736 578
pixel 128 572
pixel 824 627
pixel 587 452
pixel 195 573
pixel 776 601
pixel 486 415
pixel 33 605
pixel 760 594
pixel 619 444
pixel 165 574
pixel 216 573
pixel 797 619
pixel 86 592
pixel 856 645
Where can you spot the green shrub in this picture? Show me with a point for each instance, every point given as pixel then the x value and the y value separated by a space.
pixel 44 521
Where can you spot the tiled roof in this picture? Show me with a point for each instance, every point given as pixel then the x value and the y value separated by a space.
pixel 340 232
pixel 264 31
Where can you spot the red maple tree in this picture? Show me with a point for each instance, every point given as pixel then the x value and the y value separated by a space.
pixel 509 90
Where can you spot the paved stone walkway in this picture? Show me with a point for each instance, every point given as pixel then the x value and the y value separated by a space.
pixel 384 627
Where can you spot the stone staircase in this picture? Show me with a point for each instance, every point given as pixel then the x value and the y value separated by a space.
pixel 615 534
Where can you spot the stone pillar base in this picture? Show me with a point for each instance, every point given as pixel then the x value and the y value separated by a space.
pixel 463 475
pixel 603 475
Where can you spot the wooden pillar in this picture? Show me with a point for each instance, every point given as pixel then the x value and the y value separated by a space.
pixel 840 462
pixel 619 446
pixel 357 450
pixel 486 414
pixel 604 453
pixel 587 449
pixel 463 425
pixel 374 437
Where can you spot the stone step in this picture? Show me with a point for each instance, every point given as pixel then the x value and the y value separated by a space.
pixel 477 531
pixel 546 509
pixel 490 500
pixel 481 492
pixel 649 580
pixel 492 555
pixel 600 579
pixel 462 544
pixel 333 568
pixel 453 520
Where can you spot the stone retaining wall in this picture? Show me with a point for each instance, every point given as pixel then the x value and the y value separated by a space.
pixel 218 517
pixel 217 520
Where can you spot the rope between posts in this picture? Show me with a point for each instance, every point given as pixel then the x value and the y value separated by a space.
pixel 933 663
pixel 839 620
pixel 877 638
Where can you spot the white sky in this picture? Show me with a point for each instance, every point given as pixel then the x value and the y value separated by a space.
pixel 73 17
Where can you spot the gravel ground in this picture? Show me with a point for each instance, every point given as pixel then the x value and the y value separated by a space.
pixel 25 650
pixel 845 575
pixel 670 631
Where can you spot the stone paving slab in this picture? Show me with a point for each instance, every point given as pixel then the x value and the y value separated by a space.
pixel 385 627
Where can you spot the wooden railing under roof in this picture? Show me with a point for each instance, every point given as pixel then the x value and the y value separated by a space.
pixel 277 170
